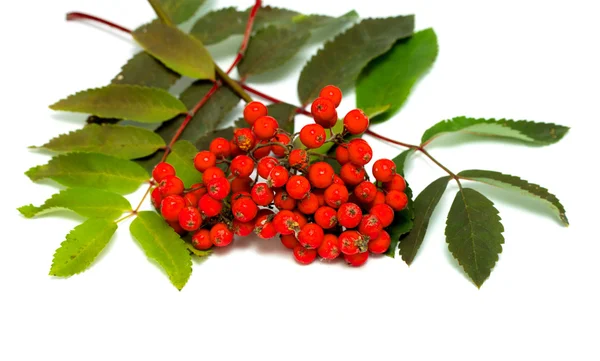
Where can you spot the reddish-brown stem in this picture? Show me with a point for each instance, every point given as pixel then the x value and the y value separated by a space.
pixel 379 136
pixel 75 15
pixel 247 33
pixel 299 110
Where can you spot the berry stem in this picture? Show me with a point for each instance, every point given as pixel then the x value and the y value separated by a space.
pixel 247 33
pixel 299 110
pixel 75 15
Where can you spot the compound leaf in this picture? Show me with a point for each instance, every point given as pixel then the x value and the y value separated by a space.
pixel 180 10
pixel 182 159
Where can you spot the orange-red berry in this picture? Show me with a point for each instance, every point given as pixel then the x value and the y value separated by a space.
pixel 312 136
pixel 253 111
pixel 332 93
pixel 356 122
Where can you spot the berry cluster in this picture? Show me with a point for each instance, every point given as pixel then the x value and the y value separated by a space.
pixel 294 193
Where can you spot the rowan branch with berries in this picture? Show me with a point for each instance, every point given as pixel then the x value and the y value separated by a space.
pixel 312 187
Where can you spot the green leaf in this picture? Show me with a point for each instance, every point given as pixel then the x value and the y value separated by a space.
pixel 82 246
pixel 92 170
pixel 198 253
pixel 402 224
pixel 389 79
pixel 204 141
pixel 423 208
pixel 144 70
pixel 87 202
pixel 312 22
pixel 526 131
pixel 120 141
pixel 400 160
pixel 177 50
pixel 182 159
pixel 180 10
pixel 285 114
pixel 142 104
pixel 218 25
pixel 515 183
pixel 162 244
pixel 474 234
pixel 270 48
pixel 340 61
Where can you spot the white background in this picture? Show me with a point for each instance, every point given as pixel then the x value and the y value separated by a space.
pixel 514 59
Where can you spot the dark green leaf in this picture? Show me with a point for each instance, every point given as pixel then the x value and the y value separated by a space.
pixel 180 10
pixel 144 70
pixel 82 246
pixel 204 141
pixel 270 48
pixel 87 202
pixel 340 61
pixel 400 160
pixel 120 141
pixel 402 224
pixel 423 208
pixel 285 114
pixel 515 183
pixel 527 131
pixel 474 234
pixel 389 79
pixel 91 170
pixel 162 244
pixel 177 50
pixel 182 159
pixel 142 104
pixel 313 22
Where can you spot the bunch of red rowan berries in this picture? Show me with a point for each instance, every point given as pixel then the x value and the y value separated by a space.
pixel 261 181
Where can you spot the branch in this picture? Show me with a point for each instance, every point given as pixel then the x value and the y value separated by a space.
pixel 247 34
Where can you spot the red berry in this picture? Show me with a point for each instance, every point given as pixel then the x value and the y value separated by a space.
pixel 326 217
pixel 244 139
pixel 332 93
pixel 379 199
pixel 263 226
pixel 349 215
pixel 356 260
pixel 263 150
pixel 320 194
pixel 242 166
pixel 262 194
pixel 330 248
pixel 162 170
pixel 220 147
pixel 380 244
pixel 341 154
pixel 176 227
pixel 338 180
pixel 298 159
pixel 336 195
pixel 171 185
pixel 278 177
pixel 309 204
pixel 365 192
pixel 221 235
pixel 359 152
pixel 218 188
pixel 283 200
pixel 189 219
pixel 285 222
pixel 289 241
pixel 204 160
pixel 321 174
pixel 201 240
pixel 241 184
pixel 198 189
pixel 384 170
pixel 384 212
pixel 297 187
pixel 352 242
pixel 265 165
pixel 253 111
pixel 370 226
pixel 279 150
pixel 303 255
pixel 171 206
pixel 396 199
pixel 312 136
pixel 242 228
pixel 244 209
pixel 300 218
pixel 311 235
pixel 352 174
pixel 356 122
pixel 209 206
pixel 265 127
pixel 396 184
pixel 323 112
pixel 191 200
pixel 156 198
pixel 212 173
pixel 235 150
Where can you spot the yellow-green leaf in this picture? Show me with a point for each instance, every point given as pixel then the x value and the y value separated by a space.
pixel 142 104
pixel 182 159
pixel 82 246
pixel 180 10
pixel 163 245
pixel 92 170
pixel 177 50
